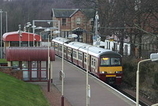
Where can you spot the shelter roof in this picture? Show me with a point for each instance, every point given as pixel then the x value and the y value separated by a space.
pixel 21 36
pixel 29 54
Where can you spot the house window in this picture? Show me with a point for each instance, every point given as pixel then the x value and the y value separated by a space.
pixel 78 21
pixel 63 21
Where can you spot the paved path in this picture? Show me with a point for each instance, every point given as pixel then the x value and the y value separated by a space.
pixel 75 88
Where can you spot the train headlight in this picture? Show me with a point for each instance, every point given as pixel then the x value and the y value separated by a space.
pixel 103 72
pixel 118 72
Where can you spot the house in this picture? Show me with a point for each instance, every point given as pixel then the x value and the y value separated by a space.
pixel 75 21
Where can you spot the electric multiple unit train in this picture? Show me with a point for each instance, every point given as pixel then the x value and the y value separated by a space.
pixel 104 64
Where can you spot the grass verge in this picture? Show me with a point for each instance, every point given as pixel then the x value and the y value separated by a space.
pixel 14 92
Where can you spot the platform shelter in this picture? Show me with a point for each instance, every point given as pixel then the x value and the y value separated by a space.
pixel 35 63
pixel 21 39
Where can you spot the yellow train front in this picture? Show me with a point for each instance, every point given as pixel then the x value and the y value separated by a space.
pixel 110 68
pixel 104 64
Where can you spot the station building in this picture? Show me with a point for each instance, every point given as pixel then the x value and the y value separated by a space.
pixel 24 54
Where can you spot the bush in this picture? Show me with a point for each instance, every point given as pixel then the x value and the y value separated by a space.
pixel 156 78
pixel 3 61
pixel 129 71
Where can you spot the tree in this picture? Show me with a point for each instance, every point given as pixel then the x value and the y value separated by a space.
pixel 23 11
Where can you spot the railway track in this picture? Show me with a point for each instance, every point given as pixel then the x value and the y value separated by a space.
pixel 132 94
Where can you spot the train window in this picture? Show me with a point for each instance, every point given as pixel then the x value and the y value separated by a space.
pixel 60 47
pixel 80 56
pixel 53 45
pixel 56 46
pixel 115 61
pixel 64 49
pixel 69 51
pixel 105 61
pixel 94 62
pixel 74 54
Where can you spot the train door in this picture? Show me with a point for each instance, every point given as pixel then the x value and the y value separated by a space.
pixel 65 52
pixel 60 50
pixel 56 48
pixel 94 65
pixel 74 56
pixel 80 59
pixel 69 54
pixel 89 63
pixel 84 60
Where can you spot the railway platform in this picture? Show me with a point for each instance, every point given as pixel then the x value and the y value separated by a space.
pixel 74 87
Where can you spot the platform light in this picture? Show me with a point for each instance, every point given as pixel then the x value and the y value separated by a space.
pixel 153 57
pixel 88 89
pixel 1 31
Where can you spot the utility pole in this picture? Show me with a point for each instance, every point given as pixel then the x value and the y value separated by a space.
pixel 1 33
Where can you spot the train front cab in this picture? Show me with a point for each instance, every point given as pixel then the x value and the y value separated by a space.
pixel 110 69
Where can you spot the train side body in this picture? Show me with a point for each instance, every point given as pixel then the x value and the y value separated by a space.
pixel 104 64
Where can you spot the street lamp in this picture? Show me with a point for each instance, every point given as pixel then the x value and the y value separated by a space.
pixel 49 71
pixel 6 21
pixel 153 57
pixel 62 77
pixel 87 83
pixel 1 12
pixel 50 79
pixel 1 31
pixel 20 35
pixel 28 26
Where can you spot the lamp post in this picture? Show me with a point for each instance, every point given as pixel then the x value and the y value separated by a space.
pixel 1 12
pixel 96 35
pixel 20 35
pixel 153 57
pixel 1 31
pixel 49 64
pixel 49 71
pixel 28 26
pixel 137 81
pixel 87 83
pixel 6 21
pixel 62 77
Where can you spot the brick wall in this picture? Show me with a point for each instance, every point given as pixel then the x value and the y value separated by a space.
pixel 15 73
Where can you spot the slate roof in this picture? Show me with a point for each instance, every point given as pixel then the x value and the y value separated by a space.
pixel 90 13
pixel 66 13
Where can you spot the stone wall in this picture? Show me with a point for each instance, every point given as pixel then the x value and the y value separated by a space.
pixel 15 73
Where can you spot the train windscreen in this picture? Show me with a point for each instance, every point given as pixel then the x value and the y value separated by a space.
pixel 106 61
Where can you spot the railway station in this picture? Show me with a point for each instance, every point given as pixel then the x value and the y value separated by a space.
pixel 36 65
pixel 101 94
pixel 104 45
